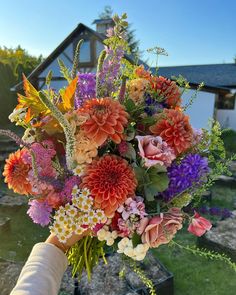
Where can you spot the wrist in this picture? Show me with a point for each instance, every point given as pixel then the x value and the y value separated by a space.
pixel 54 241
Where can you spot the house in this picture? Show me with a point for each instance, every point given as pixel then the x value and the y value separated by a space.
pixel 216 99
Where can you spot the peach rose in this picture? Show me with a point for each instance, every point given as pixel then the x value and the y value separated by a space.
pixel 155 151
pixel 162 229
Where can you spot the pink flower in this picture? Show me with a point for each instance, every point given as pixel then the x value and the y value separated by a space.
pixel 199 225
pixel 142 225
pixel 155 151
pixel 162 228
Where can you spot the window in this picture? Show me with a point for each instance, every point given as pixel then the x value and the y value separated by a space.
pixel 85 52
pixel 99 48
pixel 226 103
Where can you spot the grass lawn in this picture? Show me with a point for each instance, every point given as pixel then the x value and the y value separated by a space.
pixel 194 275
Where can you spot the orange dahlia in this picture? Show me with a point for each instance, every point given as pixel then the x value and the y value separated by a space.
pixel 168 89
pixel 16 173
pixel 142 73
pixel 106 119
pixel 174 127
pixel 111 181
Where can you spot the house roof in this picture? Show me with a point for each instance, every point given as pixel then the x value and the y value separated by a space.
pixel 214 75
pixel 60 48
pixel 103 21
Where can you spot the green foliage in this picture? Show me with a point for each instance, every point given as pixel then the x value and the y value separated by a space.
pixel 118 39
pixel 229 138
pixel 13 62
pixel 151 181
pixel 133 44
pixel 141 274
pixel 85 255
pixel 136 239
pixel 106 13
pixel 186 88
pixel 64 70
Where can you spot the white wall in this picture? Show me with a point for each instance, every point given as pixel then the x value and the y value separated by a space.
pixel 202 108
pixel 227 118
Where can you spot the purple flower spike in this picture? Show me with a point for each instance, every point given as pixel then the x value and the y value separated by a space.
pixel 190 172
pixel 86 88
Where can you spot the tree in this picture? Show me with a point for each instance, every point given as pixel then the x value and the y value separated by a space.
pixel 13 62
pixel 130 33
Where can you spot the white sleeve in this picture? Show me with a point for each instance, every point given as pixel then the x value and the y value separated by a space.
pixel 43 271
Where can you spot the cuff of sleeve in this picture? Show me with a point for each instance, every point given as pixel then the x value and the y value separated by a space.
pixel 46 252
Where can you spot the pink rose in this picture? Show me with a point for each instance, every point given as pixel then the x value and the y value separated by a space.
pixel 161 229
pixel 199 225
pixel 155 151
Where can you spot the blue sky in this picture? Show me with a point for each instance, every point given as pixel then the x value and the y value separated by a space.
pixel 192 31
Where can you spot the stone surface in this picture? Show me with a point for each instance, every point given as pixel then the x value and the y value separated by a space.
pixel 105 279
pixel 12 201
pixel 4 223
pixel 222 238
pixel 9 272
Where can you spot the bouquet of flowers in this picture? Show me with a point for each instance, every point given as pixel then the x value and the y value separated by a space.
pixel 112 154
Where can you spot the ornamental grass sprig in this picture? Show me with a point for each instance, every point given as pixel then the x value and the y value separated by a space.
pixel 14 136
pixel 76 59
pixel 70 140
pixel 99 69
pixel 206 254
pixel 141 274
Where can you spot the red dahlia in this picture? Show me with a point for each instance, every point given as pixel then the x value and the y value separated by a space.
pixel 111 181
pixel 174 127
pixel 168 89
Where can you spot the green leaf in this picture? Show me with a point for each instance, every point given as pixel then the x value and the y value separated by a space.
pixel 64 70
pixel 149 193
pixel 159 182
pixel 156 169
pixel 136 239
pixel 149 121
pixel 139 173
pixel 130 154
pixel 129 105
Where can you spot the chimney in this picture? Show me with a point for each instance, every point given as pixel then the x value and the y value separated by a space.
pixel 103 24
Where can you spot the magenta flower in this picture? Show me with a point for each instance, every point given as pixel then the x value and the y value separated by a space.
pixel 39 212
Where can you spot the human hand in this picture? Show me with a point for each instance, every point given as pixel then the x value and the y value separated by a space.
pixel 52 239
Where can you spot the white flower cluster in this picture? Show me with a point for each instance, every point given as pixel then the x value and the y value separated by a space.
pixel 18 116
pixel 76 217
pixel 105 235
pixel 137 253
